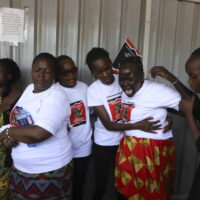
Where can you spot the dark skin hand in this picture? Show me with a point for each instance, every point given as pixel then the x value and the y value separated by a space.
pixel 144 125
pixel 9 142
pixel 164 73
pixel 169 124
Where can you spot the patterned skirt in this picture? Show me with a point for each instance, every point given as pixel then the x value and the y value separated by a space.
pixel 145 168
pixel 52 185
pixel 4 174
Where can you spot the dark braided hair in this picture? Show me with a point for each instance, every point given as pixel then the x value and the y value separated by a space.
pixel 63 57
pixel 48 56
pixel 95 54
pixel 12 68
pixel 133 60
pixel 196 52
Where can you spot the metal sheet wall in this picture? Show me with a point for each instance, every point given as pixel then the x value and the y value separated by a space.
pixel 73 27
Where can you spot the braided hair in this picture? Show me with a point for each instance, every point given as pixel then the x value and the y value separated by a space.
pixel 12 68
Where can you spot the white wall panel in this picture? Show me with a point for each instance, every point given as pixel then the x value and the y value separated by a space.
pixel 46 16
pixel 196 27
pixel 166 31
pixel 131 16
pixel 25 52
pixel 4 48
pixel 110 25
pixel 154 30
pixel 68 28
pixel 88 35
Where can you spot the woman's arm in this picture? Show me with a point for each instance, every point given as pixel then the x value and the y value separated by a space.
pixel 144 125
pixel 27 134
pixel 182 89
pixel 164 73
pixel 187 106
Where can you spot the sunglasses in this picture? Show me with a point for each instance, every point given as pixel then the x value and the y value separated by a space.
pixel 68 72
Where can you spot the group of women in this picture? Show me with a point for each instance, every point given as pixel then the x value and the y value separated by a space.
pixel 48 128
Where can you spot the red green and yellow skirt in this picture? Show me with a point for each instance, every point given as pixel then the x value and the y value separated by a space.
pixel 145 168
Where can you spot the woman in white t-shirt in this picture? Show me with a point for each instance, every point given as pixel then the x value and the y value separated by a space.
pixel 105 96
pixel 79 122
pixel 42 157
pixel 145 162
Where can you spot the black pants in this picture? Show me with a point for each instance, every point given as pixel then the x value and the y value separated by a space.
pixel 79 175
pixel 195 190
pixel 104 160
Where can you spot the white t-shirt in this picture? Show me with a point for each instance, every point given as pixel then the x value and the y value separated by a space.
pixel 80 128
pixel 151 100
pixel 44 109
pixel 110 97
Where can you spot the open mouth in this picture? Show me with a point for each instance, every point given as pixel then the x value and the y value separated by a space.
pixel 128 92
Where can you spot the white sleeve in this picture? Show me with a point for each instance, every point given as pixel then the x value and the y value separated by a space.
pixel 4 127
pixel 167 97
pixel 93 97
pixel 54 111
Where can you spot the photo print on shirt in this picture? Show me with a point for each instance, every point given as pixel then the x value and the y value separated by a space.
pixel 78 113
pixel 114 103
pixel 126 111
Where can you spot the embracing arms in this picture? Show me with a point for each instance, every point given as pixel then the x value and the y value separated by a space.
pixel 145 125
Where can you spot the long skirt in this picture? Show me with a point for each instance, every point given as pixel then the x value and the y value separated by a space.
pixel 4 174
pixel 145 168
pixel 52 185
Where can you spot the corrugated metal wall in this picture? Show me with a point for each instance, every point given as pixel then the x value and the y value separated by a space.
pixel 73 27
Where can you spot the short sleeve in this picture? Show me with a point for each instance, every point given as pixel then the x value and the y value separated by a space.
pixel 167 97
pixel 4 127
pixel 54 111
pixel 93 96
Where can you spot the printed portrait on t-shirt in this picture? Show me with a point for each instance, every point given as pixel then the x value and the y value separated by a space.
pixel 114 103
pixel 20 117
pixel 126 111
pixel 78 113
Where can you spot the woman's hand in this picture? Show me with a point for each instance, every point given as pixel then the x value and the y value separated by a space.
pixel 162 72
pixel 9 142
pixel 148 125
pixel 169 124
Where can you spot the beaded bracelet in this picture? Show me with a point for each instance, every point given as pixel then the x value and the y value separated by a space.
pixel 173 83
pixel 7 134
